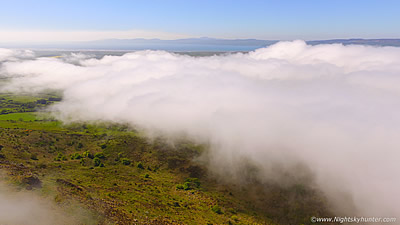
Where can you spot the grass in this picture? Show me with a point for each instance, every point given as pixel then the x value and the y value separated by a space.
pixel 20 117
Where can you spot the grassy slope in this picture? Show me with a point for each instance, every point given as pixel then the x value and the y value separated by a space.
pixel 131 194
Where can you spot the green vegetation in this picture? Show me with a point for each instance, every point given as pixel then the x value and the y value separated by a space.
pixel 60 157
pixel 76 156
pixel 216 209
pixel 126 161
pixel 125 178
pixel 140 165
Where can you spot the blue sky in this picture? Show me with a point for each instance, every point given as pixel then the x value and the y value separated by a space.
pixel 168 19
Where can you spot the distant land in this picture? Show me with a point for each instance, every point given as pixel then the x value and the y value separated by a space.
pixel 204 44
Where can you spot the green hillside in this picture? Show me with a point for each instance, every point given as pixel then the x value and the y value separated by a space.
pixel 121 177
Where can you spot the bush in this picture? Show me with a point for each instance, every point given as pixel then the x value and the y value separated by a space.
pixel 88 154
pixel 103 146
pixel 179 187
pixel 235 218
pixel 216 209
pixel 99 155
pixel 76 156
pixel 146 175
pixel 140 165
pixel 60 157
pixel 194 182
pixel 126 161
pixel 96 161
pixel 187 186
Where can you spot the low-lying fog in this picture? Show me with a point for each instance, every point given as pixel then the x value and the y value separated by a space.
pixel 333 108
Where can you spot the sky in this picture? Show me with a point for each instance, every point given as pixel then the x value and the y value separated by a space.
pixel 76 20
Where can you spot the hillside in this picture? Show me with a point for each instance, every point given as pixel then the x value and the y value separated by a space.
pixel 119 176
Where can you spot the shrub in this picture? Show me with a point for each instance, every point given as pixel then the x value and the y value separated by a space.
pixel 179 187
pixel 96 161
pixel 193 181
pixel 88 154
pixel 216 209
pixel 126 161
pixel 146 175
pixel 187 186
pixel 76 156
pixel 60 157
pixel 140 165
pixel 103 146
pixel 235 218
pixel 99 155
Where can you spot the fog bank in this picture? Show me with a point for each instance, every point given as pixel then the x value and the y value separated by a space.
pixel 333 108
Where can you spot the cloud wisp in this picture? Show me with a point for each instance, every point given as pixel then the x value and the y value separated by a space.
pixel 333 108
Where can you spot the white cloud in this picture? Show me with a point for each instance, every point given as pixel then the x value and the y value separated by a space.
pixel 10 54
pixel 334 108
